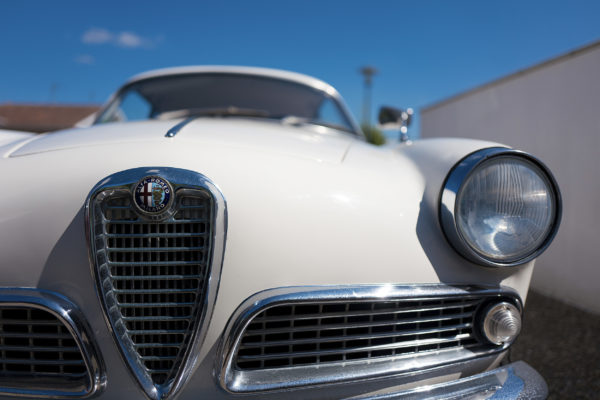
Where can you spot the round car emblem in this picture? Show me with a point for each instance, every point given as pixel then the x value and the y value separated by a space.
pixel 153 195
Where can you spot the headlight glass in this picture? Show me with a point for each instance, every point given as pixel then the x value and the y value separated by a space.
pixel 505 208
pixel 500 207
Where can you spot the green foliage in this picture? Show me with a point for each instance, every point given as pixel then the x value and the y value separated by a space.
pixel 374 135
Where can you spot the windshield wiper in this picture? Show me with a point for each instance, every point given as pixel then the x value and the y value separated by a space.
pixel 193 113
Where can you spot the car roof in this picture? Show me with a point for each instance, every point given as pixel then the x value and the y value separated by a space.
pixel 268 72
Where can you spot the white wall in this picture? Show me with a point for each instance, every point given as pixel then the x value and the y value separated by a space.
pixel 552 111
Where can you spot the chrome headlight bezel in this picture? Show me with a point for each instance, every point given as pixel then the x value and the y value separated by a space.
pixel 448 212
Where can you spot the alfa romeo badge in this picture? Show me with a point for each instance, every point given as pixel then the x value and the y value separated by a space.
pixel 153 195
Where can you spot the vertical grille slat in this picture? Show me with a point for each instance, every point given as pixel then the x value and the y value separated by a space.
pixel 157 273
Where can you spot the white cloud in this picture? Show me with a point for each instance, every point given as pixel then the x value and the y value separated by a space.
pixel 85 59
pixel 97 36
pixel 129 39
pixel 125 39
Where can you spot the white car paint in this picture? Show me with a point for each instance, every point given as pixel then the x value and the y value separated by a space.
pixel 318 143
pixel 10 136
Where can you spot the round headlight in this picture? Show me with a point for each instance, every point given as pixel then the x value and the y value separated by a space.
pixel 500 207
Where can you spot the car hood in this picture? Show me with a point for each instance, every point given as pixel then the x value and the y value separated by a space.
pixel 315 142
pixel 9 136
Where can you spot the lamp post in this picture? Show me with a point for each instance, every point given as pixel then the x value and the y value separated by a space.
pixel 368 72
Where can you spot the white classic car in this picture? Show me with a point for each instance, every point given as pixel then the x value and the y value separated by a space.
pixel 226 232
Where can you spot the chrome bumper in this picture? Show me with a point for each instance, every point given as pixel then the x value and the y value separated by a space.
pixel 513 381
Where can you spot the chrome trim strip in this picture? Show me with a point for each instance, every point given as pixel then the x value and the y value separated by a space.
pixel 70 315
pixel 236 381
pixel 514 381
pixel 449 192
pixel 176 128
pixel 180 179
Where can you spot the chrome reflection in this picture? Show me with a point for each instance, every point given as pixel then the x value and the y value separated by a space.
pixel 184 182
pixel 516 381
pixel 236 380
pixel 72 318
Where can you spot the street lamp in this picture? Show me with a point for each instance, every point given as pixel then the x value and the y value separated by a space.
pixel 368 72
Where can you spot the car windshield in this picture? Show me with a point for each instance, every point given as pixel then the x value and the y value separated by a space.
pixel 225 94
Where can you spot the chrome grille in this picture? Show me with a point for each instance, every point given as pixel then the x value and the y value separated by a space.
pixel 155 276
pixel 289 337
pixel 35 344
pixel 340 331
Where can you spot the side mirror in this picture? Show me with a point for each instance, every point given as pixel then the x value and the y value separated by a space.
pixel 396 118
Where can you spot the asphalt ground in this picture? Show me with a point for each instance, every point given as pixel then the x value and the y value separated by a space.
pixel 563 344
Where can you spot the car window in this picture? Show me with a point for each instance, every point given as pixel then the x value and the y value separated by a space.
pixel 222 94
pixel 329 114
pixel 130 107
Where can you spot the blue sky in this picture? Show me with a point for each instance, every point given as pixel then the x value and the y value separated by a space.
pixel 80 52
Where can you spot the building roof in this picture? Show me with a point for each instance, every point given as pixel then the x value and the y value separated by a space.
pixel 42 117
pixel 517 74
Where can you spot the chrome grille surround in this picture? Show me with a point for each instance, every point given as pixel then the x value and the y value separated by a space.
pixel 46 350
pixel 157 275
pixel 275 340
